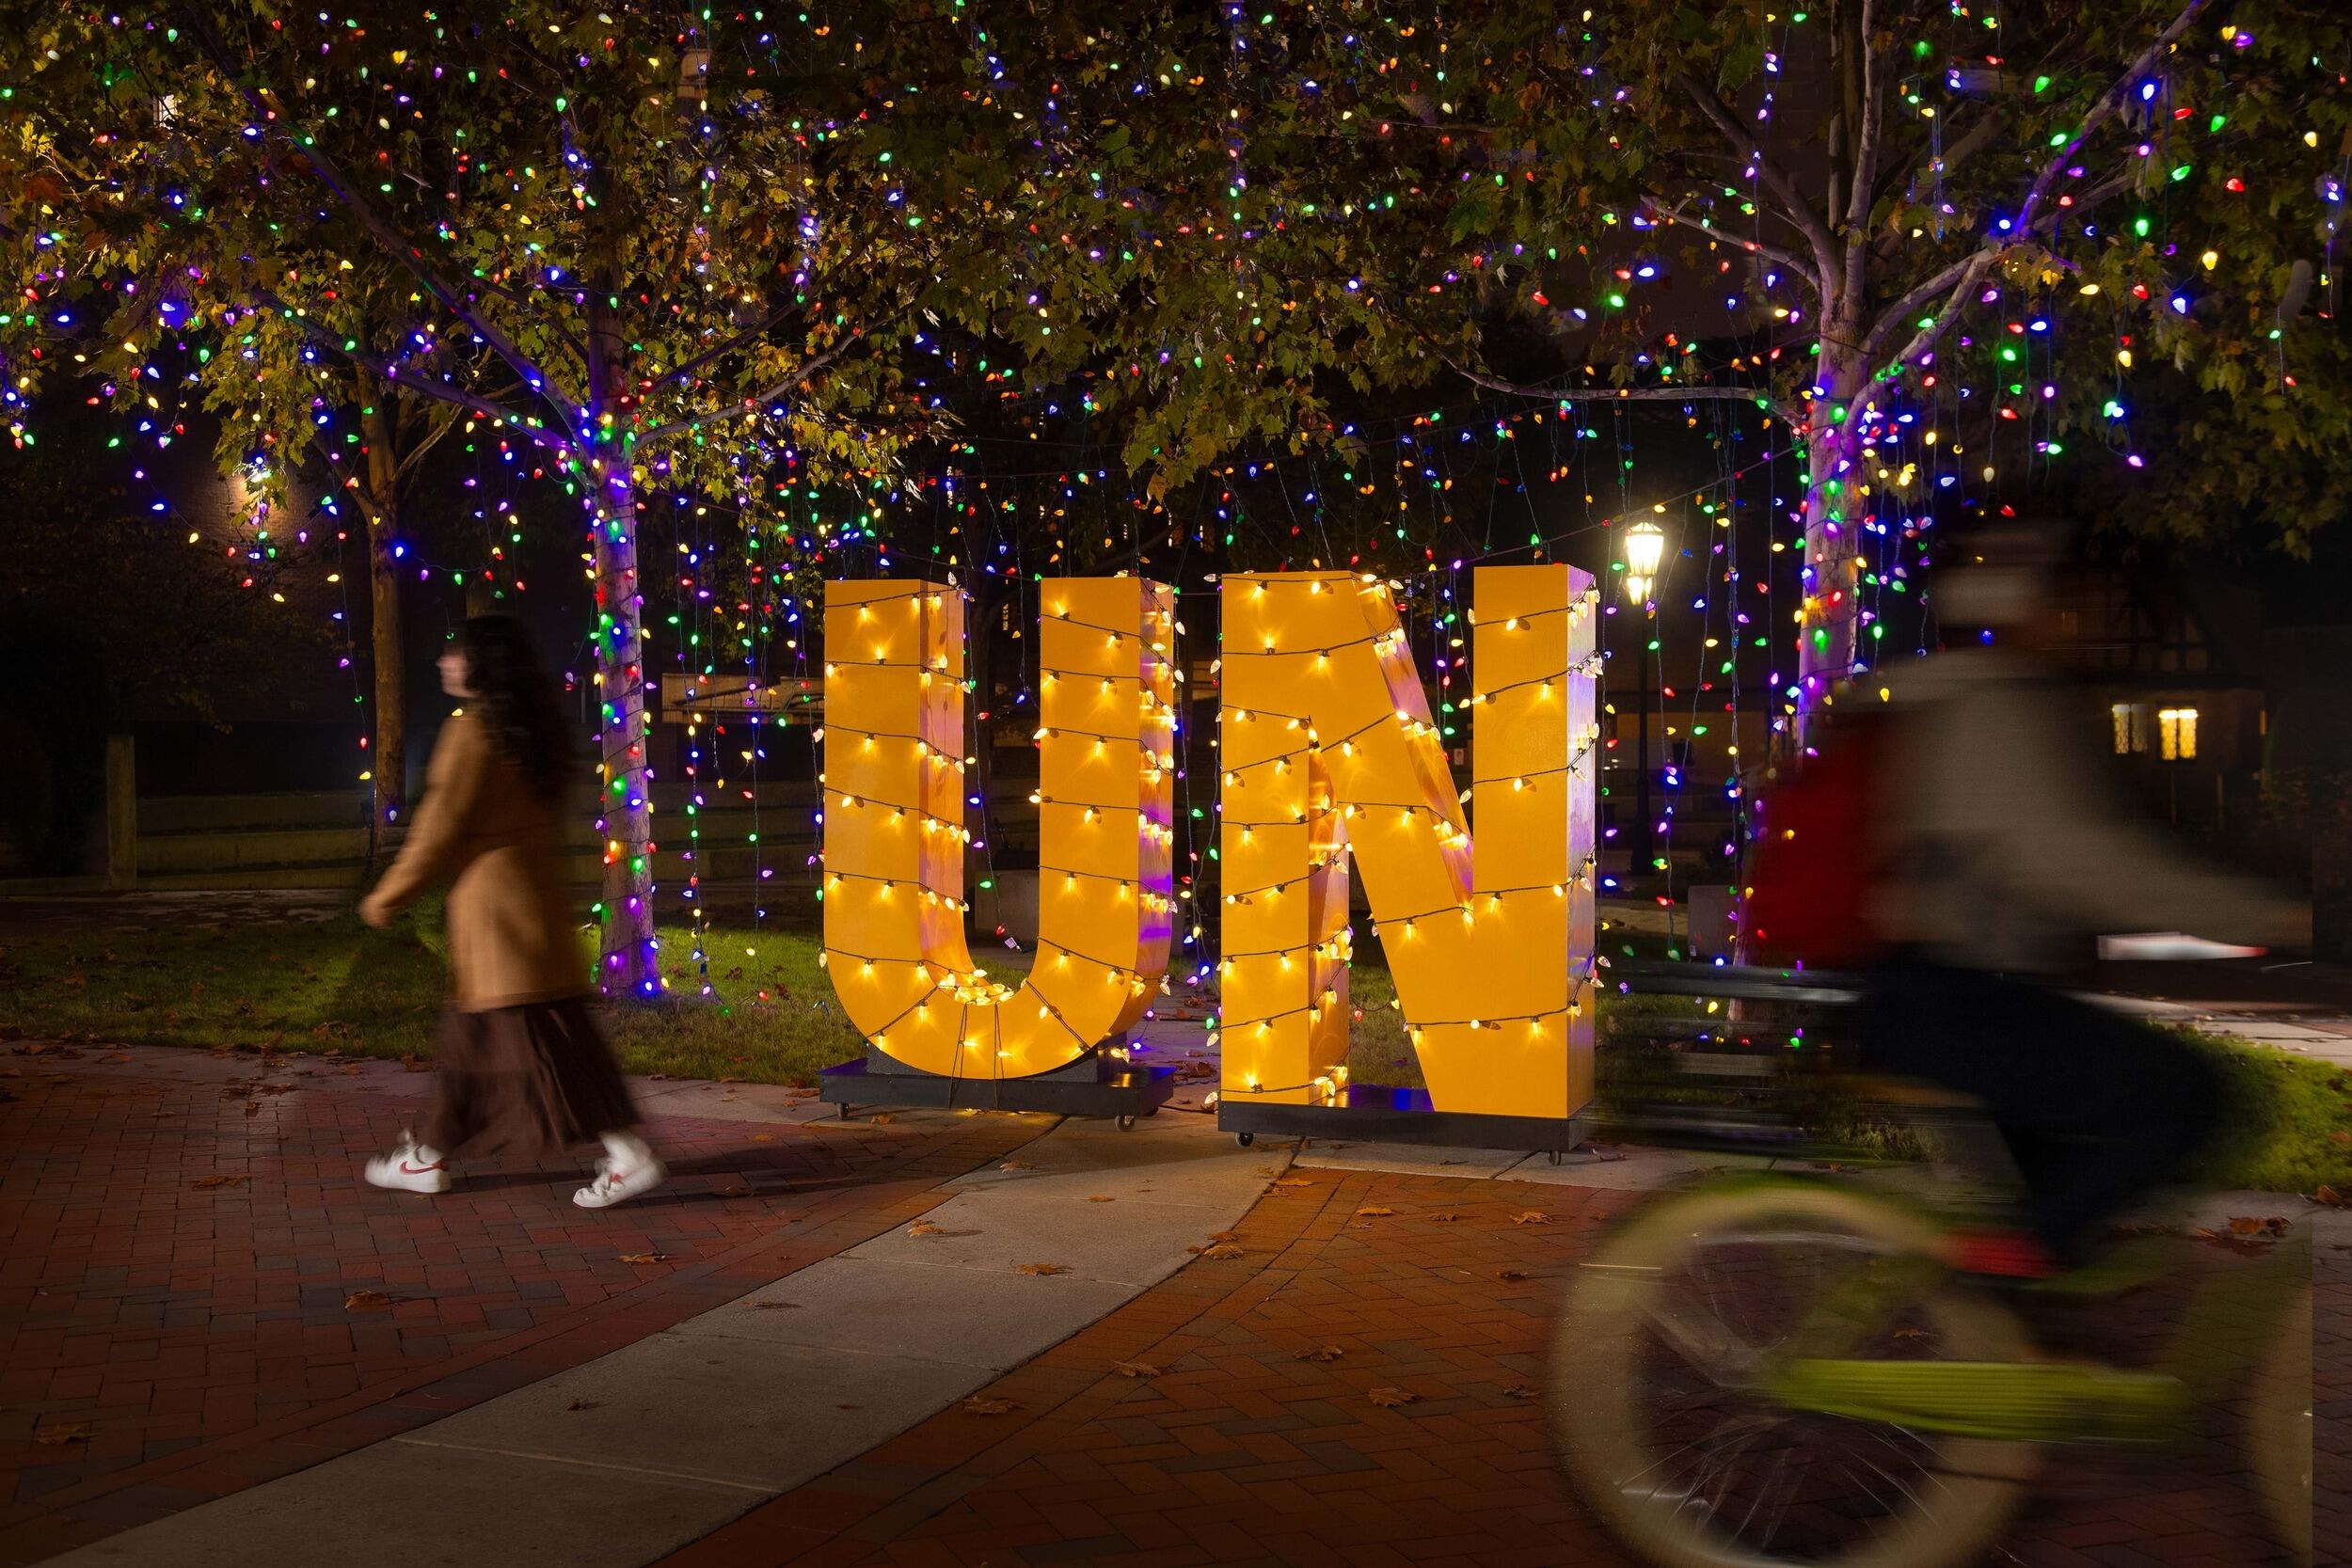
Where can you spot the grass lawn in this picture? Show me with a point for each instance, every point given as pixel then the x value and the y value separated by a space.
pixel 335 987
pixel 2289 1126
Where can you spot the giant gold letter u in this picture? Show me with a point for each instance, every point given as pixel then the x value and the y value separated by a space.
pixel 894 834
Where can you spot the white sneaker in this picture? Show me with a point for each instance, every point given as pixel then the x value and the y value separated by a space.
pixel 616 1185
pixel 402 1171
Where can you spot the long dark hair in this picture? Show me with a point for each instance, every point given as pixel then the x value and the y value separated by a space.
pixel 516 701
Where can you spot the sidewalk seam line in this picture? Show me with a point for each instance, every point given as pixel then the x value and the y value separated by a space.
pixel 756 1489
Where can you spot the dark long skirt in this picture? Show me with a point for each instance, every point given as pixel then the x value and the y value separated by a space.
pixel 528 1082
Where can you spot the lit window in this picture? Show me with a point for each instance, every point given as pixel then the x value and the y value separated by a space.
pixel 2177 730
pixel 2131 728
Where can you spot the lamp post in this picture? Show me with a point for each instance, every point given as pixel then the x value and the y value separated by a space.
pixel 1644 552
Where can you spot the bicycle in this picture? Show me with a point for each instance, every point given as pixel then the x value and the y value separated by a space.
pixel 1777 1369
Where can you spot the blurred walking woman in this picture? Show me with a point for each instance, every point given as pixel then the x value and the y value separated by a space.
pixel 522 1069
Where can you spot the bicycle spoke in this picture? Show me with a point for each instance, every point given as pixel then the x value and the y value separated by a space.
pixel 1706 1347
pixel 1703 1462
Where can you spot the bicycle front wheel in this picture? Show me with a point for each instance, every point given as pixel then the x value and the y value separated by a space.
pixel 1658 1405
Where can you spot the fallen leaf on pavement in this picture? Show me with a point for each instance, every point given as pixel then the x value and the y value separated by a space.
pixel 1099 1198
pixel 1134 1368
pixel 1512 1277
pixel 1446 1218
pixel 2328 1197
pixel 923 1227
pixel 585 1404
pixel 644 1257
pixel 1016 1165
pixel 1388 1397
pixel 1223 1250
pixel 882 1115
pixel 2246 1246
pixel 1373 1211
pixel 976 1405
pixel 63 1431
pixel 1225 1235
pixel 1044 1268
pixel 366 1301
pixel 1293 1182
pixel 1324 1353
pixel 1533 1216
pixel 209 1182
pixel 1518 1391
pixel 409 1060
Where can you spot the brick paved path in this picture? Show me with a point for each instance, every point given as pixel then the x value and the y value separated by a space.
pixel 1238 1450
pixel 182 1240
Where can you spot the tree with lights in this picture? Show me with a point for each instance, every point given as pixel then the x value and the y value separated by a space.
pixel 1933 241
pixel 656 248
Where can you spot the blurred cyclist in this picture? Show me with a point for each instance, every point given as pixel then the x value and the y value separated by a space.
pixel 1997 859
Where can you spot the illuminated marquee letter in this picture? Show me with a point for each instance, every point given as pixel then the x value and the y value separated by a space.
pixel 893 791
pixel 1327 750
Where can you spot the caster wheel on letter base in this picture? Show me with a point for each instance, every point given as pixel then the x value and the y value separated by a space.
pixel 1245 1139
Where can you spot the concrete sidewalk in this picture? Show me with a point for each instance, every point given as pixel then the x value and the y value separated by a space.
pixel 628 1457
pixel 2323 1037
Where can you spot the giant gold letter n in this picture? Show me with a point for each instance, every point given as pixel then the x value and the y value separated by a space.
pixel 1328 750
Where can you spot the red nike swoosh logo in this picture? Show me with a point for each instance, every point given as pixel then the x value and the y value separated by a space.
pixel 408 1169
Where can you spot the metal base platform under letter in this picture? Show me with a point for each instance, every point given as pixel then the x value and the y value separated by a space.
pixel 1099 1085
pixel 1378 1115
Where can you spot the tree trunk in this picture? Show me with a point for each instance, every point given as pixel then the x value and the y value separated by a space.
pixel 1831 618
pixel 629 962
pixel 387 651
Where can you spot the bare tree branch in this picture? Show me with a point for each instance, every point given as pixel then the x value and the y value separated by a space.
pixel 1754 247
pixel 2108 102
pixel 1966 275
pixel 1962 276
pixel 1975 140
pixel 1799 210
pixel 1866 150
pixel 571 338
pixel 757 401
pixel 411 380
pixel 749 335
pixel 421 445
pixel 355 480
pixel 1753 395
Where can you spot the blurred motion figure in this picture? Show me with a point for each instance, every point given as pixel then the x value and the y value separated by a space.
pixel 1996 860
pixel 522 1066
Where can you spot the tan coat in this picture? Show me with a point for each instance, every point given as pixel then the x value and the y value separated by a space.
pixel 512 937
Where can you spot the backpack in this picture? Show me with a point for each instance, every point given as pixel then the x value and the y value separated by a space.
pixel 1816 861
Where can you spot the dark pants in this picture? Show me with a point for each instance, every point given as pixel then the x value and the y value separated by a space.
pixel 2096 1108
